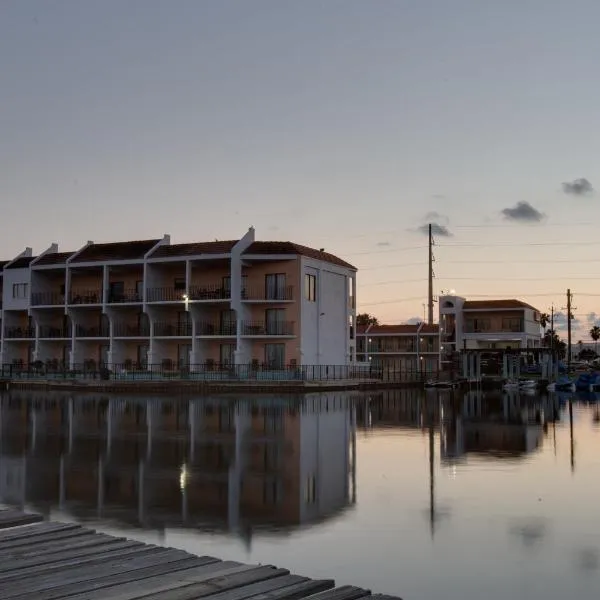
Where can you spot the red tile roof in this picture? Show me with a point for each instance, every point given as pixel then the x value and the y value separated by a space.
pixel 115 251
pixel 173 250
pixel 55 258
pixel 21 263
pixel 405 329
pixel 496 304
pixel 292 248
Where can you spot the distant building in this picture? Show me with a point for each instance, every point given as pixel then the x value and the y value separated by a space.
pixel 487 324
pixel 406 348
pixel 204 305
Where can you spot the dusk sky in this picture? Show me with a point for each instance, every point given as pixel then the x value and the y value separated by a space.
pixel 344 124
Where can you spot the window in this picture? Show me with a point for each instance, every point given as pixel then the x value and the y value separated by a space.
pixel 227 324
pixel 179 283
pixel 477 325
pixel 274 321
pixel 139 290
pixel 512 324
pixel 116 291
pixel 275 286
pixel 20 290
pixel 275 356
pixel 226 354
pixel 310 287
pixel 271 492
pixel 310 490
pixel 226 285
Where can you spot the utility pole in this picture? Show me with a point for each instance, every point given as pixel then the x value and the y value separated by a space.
pixel 430 294
pixel 569 313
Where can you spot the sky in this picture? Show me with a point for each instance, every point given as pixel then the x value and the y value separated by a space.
pixel 342 124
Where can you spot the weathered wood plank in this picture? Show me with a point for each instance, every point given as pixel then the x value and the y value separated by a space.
pixel 106 581
pixel 190 590
pixel 298 591
pixel 49 537
pixel 385 597
pixel 345 592
pixel 254 589
pixel 35 529
pixel 13 518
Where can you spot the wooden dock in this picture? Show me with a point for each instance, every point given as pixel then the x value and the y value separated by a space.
pixel 49 561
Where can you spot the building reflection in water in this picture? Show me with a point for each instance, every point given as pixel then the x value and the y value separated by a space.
pixel 497 426
pixel 208 463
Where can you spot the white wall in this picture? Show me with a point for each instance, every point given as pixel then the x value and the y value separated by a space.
pixel 324 324
pixel 10 277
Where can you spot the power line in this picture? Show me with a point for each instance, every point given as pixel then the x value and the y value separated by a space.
pixel 514 244
pixel 483 262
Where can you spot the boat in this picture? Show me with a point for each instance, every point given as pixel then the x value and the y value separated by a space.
pixel 445 385
pixel 528 384
pixel 511 385
pixel 562 384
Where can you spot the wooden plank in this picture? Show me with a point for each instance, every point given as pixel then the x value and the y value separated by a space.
pixel 154 586
pixel 190 589
pixel 35 530
pixel 13 518
pixel 385 597
pixel 42 582
pixel 254 589
pixel 91 557
pixel 50 537
pixel 45 545
pixel 345 592
pixel 96 581
pixel 298 591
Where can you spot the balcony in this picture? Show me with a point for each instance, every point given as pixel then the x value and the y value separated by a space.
pixel 49 332
pixel 47 299
pixel 86 296
pixel 92 332
pixel 19 333
pixel 165 294
pixel 495 330
pixel 133 330
pixel 126 296
pixel 209 292
pixel 262 328
pixel 262 294
pixel 217 329
pixel 172 329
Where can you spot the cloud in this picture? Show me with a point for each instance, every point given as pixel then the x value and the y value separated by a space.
pixel 434 216
pixel 560 322
pixel 413 321
pixel 436 229
pixel 592 319
pixel 524 213
pixel 383 244
pixel 578 187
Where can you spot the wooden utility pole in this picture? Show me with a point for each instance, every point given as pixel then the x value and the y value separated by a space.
pixel 430 294
pixel 569 297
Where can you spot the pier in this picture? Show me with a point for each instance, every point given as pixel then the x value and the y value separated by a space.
pixel 50 561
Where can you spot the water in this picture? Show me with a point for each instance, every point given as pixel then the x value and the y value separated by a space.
pixel 452 496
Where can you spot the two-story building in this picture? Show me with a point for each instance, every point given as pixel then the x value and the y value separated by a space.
pixel 487 324
pixel 406 349
pixel 150 302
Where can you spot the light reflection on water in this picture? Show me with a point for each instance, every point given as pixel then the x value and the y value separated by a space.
pixel 436 495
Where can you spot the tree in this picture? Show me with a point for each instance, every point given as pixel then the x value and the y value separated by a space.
pixel 365 319
pixel 551 340
pixel 544 320
pixel 595 335
pixel 579 349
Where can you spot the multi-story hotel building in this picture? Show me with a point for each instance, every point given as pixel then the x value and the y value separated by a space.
pixel 399 348
pixel 150 302
pixel 487 324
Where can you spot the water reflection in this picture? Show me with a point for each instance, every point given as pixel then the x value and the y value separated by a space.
pixel 210 463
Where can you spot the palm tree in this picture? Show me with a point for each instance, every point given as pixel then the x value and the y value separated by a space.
pixel 544 320
pixel 595 335
pixel 579 348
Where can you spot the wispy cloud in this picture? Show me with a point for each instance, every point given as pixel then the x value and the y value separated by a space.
pixel 436 217
pixel 560 321
pixel 436 229
pixel 524 213
pixel 578 187
pixel 414 321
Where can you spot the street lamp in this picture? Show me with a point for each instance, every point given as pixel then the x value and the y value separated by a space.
pixel 186 301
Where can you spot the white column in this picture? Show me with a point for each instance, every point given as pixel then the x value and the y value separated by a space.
pixel 105 286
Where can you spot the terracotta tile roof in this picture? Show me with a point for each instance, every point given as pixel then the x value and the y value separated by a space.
pixel 405 329
pixel 496 304
pixel 21 263
pixel 115 251
pixel 56 258
pixel 292 248
pixel 171 250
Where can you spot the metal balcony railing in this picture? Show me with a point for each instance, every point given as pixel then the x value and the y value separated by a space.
pixel 130 330
pixel 267 294
pixel 92 332
pixel 168 328
pixel 19 332
pixel 50 332
pixel 93 296
pixel 209 292
pixel 165 294
pixel 132 295
pixel 226 329
pixel 47 299
pixel 262 328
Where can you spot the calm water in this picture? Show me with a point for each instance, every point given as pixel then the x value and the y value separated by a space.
pixel 426 496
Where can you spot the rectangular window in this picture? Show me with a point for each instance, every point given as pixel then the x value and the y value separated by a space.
pixel 116 291
pixel 274 321
pixel 275 286
pixel 226 354
pixel 310 287
pixel 20 290
pixel 310 490
pixel 512 324
pixel 227 323
pixel 226 285
pixel 179 283
pixel 275 356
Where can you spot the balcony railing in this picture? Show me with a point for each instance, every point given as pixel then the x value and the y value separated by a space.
pixel 226 329
pixel 132 295
pixel 47 299
pixel 133 330
pixel 282 294
pixel 167 329
pixel 47 331
pixel 492 330
pixel 93 296
pixel 262 328
pixel 165 294
pixel 91 332
pixel 19 332
pixel 209 292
